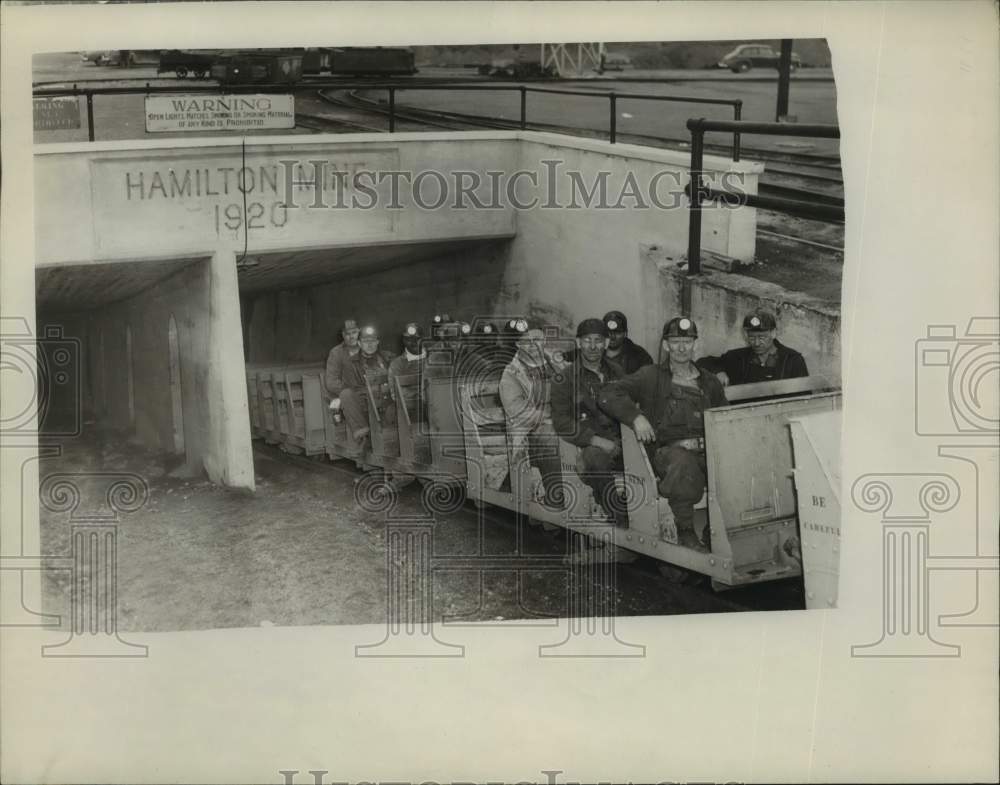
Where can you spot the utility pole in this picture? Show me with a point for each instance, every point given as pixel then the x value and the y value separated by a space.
pixel 784 77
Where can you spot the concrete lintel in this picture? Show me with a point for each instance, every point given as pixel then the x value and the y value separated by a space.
pixel 374 242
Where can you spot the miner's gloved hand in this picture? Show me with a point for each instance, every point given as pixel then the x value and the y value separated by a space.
pixel 335 403
pixel 723 377
pixel 644 432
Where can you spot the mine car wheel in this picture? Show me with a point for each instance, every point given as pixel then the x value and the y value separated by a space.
pixel 199 73
pixel 181 72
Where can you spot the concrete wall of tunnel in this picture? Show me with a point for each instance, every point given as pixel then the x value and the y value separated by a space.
pixel 302 324
pixel 165 368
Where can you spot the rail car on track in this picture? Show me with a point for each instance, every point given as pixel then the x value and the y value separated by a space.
pixel 258 68
pixel 456 442
pixel 184 62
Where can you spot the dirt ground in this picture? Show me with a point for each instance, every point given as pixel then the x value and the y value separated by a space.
pixel 301 551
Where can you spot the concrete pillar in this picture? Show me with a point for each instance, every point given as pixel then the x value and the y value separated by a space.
pixel 229 457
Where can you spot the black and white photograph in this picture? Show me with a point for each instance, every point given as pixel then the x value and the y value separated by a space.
pixel 525 334
pixel 455 319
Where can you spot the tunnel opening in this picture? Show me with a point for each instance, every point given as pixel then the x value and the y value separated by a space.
pixel 123 357
pixel 294 306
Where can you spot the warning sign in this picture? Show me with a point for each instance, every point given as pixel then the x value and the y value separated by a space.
pixel 52 114
pixel 219 112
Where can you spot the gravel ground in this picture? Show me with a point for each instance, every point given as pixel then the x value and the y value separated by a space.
pixel 301 551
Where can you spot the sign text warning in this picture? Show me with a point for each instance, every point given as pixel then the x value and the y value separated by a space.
pixel 219 112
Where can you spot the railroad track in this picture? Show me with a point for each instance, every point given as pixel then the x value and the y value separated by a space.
pixel 324 123
pixel 826 167
pixel 784 186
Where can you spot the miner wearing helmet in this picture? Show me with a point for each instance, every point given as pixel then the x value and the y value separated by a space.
pixel 406 376
pixel 524 395
pixel 339 356
pixel 354 396
pixel 664 404
pixel 763 359
pixel 410 364
pixel 622 350
pixel 578 419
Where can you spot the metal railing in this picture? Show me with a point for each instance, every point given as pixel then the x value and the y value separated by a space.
pixel 827 209
pixel 612 97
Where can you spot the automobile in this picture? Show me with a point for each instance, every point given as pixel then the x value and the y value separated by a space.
pixel 509 68
pixel 616 62
pixel 111 57
pixel 747 56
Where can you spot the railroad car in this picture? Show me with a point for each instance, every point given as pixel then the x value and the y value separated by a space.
pixel 184 62
pixel 371 61
pixel 258 68
pixel 457 445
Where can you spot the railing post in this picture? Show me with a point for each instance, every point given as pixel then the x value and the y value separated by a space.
pixel 90 115
pixel 737 116
pixel 392 109
pixel 614 116
pixel 694 209
pixel 524 107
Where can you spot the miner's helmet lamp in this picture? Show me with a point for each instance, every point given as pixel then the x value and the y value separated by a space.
pixel 486 329
pixel 615 321
pixel 680 327
pixel 369 333
pixel 413 330
pixel 759 322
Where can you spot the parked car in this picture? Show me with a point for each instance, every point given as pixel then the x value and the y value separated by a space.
pixel 613 61
pixel 747 56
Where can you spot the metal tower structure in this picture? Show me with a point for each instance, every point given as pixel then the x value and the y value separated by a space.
pixel 573 59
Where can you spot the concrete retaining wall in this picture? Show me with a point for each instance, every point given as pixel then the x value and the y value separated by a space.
pixel 568 262
pixel 719 301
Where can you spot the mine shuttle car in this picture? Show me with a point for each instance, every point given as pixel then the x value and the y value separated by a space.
pixel 457 445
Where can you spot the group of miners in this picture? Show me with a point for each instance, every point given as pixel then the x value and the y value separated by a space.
pixel 581 395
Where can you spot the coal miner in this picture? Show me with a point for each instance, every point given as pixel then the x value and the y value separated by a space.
pixel 339 356
pixel 524 394
pixel 664 404
pixel 577 417
pixel 763 359
pixel 354 395
pixel 622 350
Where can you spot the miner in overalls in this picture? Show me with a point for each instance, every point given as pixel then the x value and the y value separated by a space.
pixel 524 394
pixel 578 419
pixel 354 396
pixel 763 359
pixel 664 404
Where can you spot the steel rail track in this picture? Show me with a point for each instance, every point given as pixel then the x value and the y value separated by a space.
pixel 822 161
